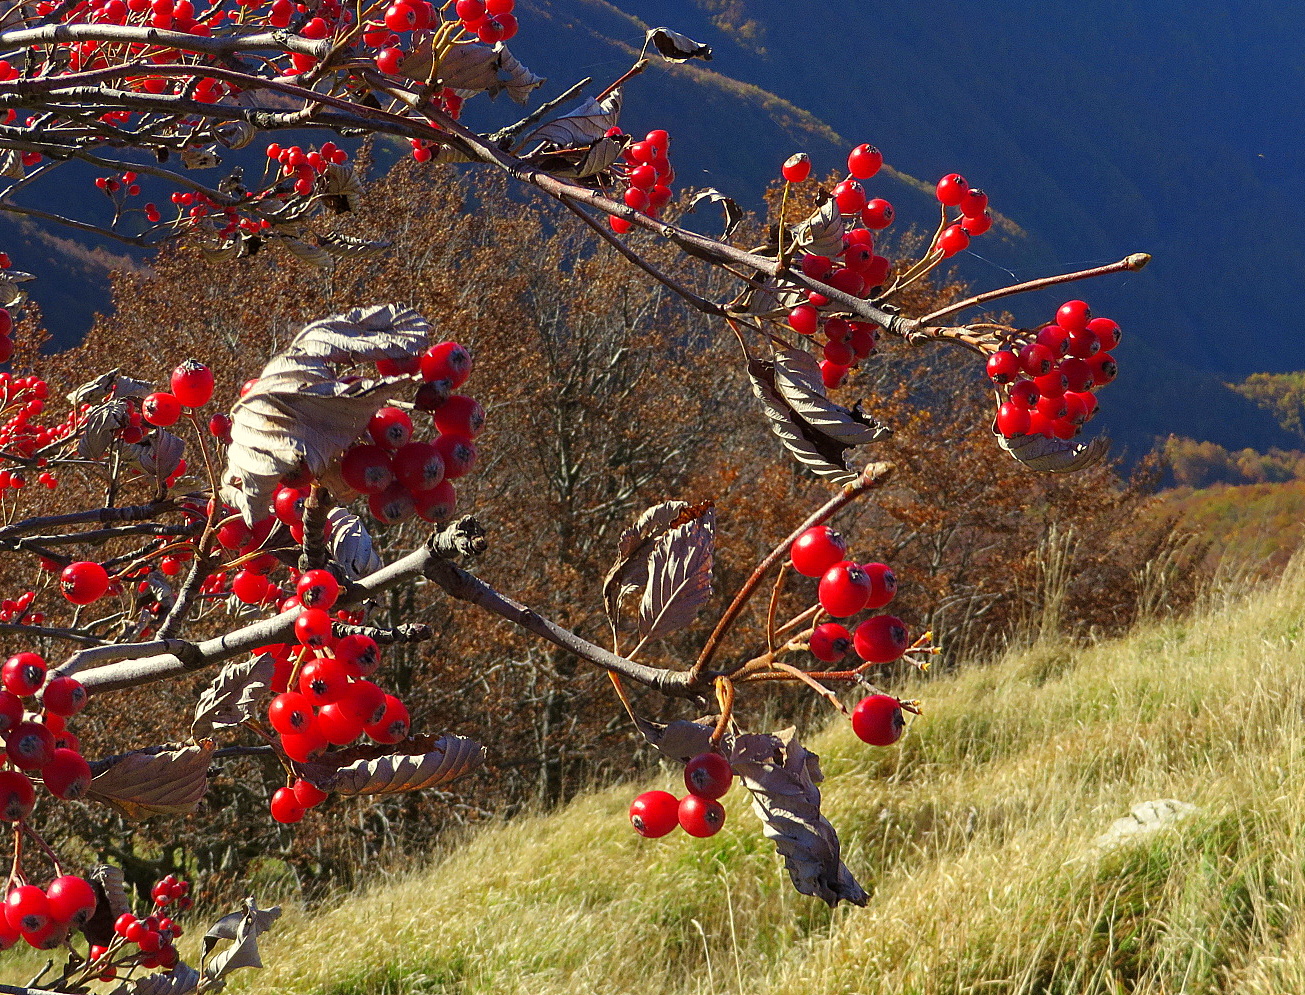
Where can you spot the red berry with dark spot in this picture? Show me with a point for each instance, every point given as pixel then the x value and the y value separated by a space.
pixel 973 203
pixel 816 550
pixel 1012 419
pixel 850 197
pixel 844 589
pixel 830 642
pixel 192 384
pixel 23 673
pixel 883 584
pixel 16 796
pixel 458 453
pixel 1074 316
pixel 951 189
pixel 419 466
pixel 460 415
pixel 29 745
pixel 1084 344
pixel 83 582
pixel 161 409
pixel 1003 366
pixel 796 168
pixel 436 505
pixel 881 639
pixel 1036 359
pixel 323 680
pixel 67 774
pixel 313 627
pixel 877 214
pixel 11 711
pixel 393 725
pixel 864 161
pixel 367 469
pixel 878 720
pixel 390 427
pixel 953 240
pixel 1106 331
pixel 64 696
pixel 71 900
pixel 1104 368
pixel 446 361
pixel 1054 338
pixel 27 909
pixel 317 589
pixel 655 813
pixel 394 504
pixel 708 775
pixel 1078 374
pixel 359 653
pixel 701 817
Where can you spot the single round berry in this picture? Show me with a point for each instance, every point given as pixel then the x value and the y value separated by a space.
pixel 655 813
pixel 390 427
pixel 1104 368
pixel 394 504
pixel 850 197
pixel 1036 359
pixel 864 161
pixel 83 582
pixel 701 817
pixel 323 680
pixel 1106 331
pixel 953 240
pixel 291 713
pixel 192 384
pixel 367 469
pixel 71 900
pixel 708 775
pixel 883 584
pixel 359 653
pixel 307 794
pixel 364 701
pixel 419 466
pixel 1074 316
pixel 878 720
pixel 881 639
pixel 951 189
pixel 64 696
pixel 446 361
pixel 816 550
pixel 317 589
pixel 285 807
pixel 844 589
pixel 11 711
pixel 804 319
pixel 458 453
pixel 16 795
pixel 1054 338
pixel 1012 419
pixel 796 168
pixel 877 214
pixel 338 726
pixel 460 415
pixel 973 203
pixel 67 774
pixel 830 642
pixel 1003 366
pixel 29 745
pixel 304 747
pixel 393 725
pixel 27 908
pixel 161 409
pixel 23 673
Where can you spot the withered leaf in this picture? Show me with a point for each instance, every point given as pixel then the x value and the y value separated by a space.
pixel 208 158
pixel 180 980
pixel 300 414
pixel 309 253
pixel 11 294
pixel 733 212
pixel 820 453
pixel 160 454
pixel 242 929
pixel 351 544
pixel 513 77
pixel 582 126
pixel 229 699
pixel 471 68
pixel 99 425
pixel 142 784
pixel 675 47
pixel 798 381
pixel 782 776
pixel 679 576
pixel 113 384
pixel 342 188
pixel 630 571
pixel 11 163
pixel 681 739
pixel 1052 455
pixel 111 901
pixel 420 762
pixel 234 134
pixel 348 247
pixel 820 234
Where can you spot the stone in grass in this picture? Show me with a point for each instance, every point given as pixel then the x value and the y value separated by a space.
pixel 1143 820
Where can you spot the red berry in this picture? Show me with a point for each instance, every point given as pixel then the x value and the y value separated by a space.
pixel 1024 393
pixel 83 582
pixel 11 711
pixel 29 745
pixel 285 806
pixel 1078 373
pixel 460 415
pixel 832 375
pixel 388 61
pixel 1053 407
pixel 338 726
pixel 291 713
pixel 701 817
pixel 431 396
pixel 219 426
pixel 458 453
pixel 708 775
pixel 27 909
pixel 307 794
pixel 1012 419
pixel 816 550
pixel 1074 316
pixel 317 589
pixel 64 696
pixel 394 504
pixel 951 189
pixel 419 466
pixel 363 701
pixel 881 639
pixel 1003 366
pixel 804 319
pixel 161 409
pixel 1051 384
pixel 71 900
pixel 864 161
pixel 16 796
pixel 953 240
pixel 878 720
pixel 655 813
pixel 877 214
pixel 394 723
pixel 303 747
pixel 67 774
pixel 1036 359
pixel 1104 368
pixel 23 674
pixel 323 680
pixel 973 203
pixel 1084 344
pixel 883 584
pixel 123 923
pixel 400 17
pixel 436 505
pixel 249 587
pixel 192 384
pixel 446 361
pixel 1106 331
pixel 844 589
pixel 1055 339
pixel 796 168
pixel 313 627
pixel 359 653
pixel 830 642
pixel 977 225
pixel 390 427
pixel 850 196
pixel 367 469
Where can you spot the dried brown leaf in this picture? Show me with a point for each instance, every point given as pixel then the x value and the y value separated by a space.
pixel 351 544
pixel 243 929
pixel 139 785
pixel 1038 452
pixel 179 980
pixel 820 453
pixel 414 764
pixel 798 381
pixel 733 212
pixel 679 577
pixel 782 776
pixel 229 699
pixel 820 234
pixel 675 47
pixel 582 126
pixel 681 739
pixel 100 424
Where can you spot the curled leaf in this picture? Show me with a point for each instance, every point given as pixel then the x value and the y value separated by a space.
pixel 299 414
pixel 342 189
pixel 179 980
pixel 142 784
pixel 348 247
pixel 208 158
pixel 513 77
pixel 423 762
pixel 782 776
pixel 309 253
pixel 681 739
pixel 11 294
pixel 821 234
pixel 101 422
pixel 675 47
pixel 229 699
pixel 1038 452
pixel 798 381
pixel 111 384
pixel 242 929
pixel 733 213
pixel 110 902
pixel 471 68
pixel 578 163
pixel 582 126
pixel 679 576
pixel 351 544
pixel 160 454
pixel 234 134
pixel 629 573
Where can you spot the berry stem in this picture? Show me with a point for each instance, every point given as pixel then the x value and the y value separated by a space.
pixel 871 477
pixel 810 680
pixel 725 698
pixel 1129 264
pixel 775 592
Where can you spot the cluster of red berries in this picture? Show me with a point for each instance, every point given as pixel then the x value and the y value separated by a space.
pixel 38 742
pixel 124 183
pixel 845 589
pixel 1047 380
pixel 26 397
pixel 954 190
pixel 648 175
pixel 151 936
pixel 489 20
pixel 306 166
pixel 45 916
pixel 402 477
pixel 12 609
pixel 699 813
pixel 857 270
pixel 323 697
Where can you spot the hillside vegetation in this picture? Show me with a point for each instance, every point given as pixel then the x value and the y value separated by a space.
pixel 974 835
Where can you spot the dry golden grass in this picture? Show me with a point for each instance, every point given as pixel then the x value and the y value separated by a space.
pixel 973 836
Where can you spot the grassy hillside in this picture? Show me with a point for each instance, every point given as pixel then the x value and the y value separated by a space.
pixel 974 836
pixel 1252 527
